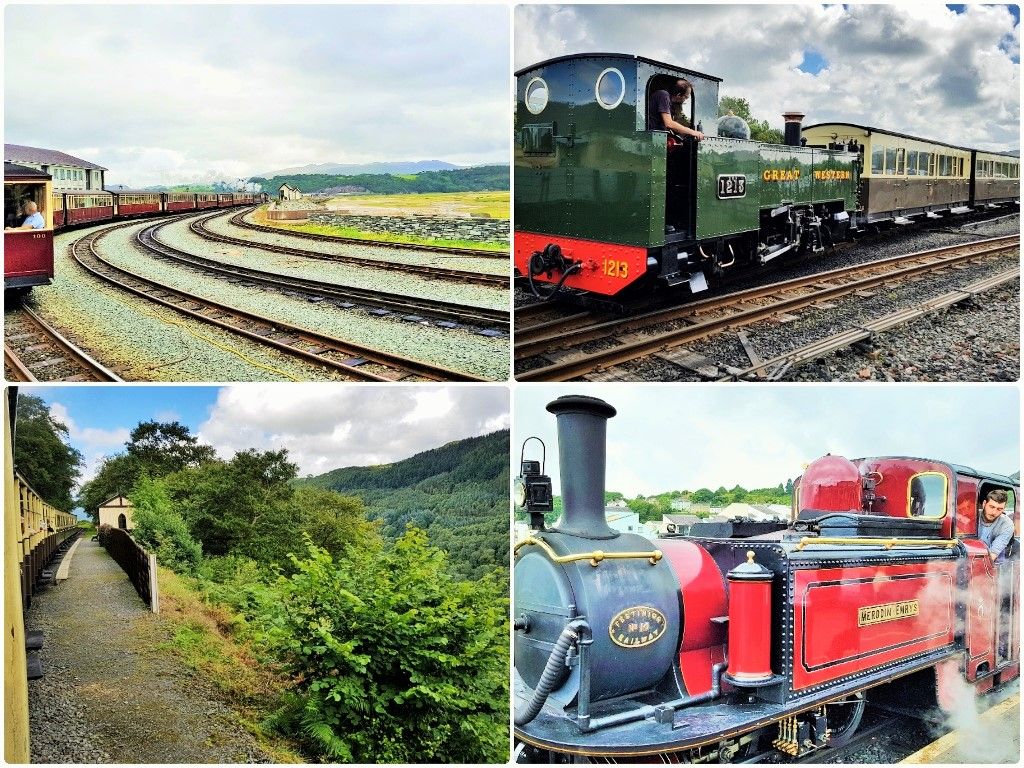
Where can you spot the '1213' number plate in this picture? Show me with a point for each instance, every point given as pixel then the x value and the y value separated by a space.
pixel 732 185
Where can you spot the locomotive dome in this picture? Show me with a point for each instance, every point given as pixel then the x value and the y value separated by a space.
pixel 733 127
pixel 831 483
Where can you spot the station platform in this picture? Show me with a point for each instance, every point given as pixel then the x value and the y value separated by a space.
pixel 992 736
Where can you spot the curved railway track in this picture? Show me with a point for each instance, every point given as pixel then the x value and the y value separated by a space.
pixel 239 221
pixel 34 349
pixel 625 339
pixel 410 306
pixel 358 361
pixel 198 227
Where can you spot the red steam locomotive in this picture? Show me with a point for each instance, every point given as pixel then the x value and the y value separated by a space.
pixel 693 649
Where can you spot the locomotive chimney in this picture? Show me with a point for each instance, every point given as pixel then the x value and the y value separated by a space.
pixel 793 125
pixel 582 423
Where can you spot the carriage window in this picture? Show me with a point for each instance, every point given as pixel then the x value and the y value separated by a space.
pixel 890 161
pixel 15 197
pixel 877 160
pixel 610 88
pixel 536 96
pixel 926 495
pixel 901 161
pixel 912 163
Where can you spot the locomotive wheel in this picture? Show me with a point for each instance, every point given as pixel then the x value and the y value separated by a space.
pixel 844 717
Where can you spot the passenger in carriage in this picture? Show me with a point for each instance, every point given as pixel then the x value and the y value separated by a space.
pixel 995 528
pixel 33 219
pixel 665 110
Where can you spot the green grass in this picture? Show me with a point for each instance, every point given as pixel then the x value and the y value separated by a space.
pixel 203 636
pixel 494 205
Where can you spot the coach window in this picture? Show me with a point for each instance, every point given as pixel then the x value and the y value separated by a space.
pixel 890 161
pixel 901 161
pixel 912 163
pixel 877 160
pixel 926 495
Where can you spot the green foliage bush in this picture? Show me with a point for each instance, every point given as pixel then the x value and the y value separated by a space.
pixel 161 530
pixel 486 178
pixel 42 454
pixel 400 661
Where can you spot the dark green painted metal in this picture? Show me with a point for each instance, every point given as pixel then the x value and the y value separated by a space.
pixel 735 214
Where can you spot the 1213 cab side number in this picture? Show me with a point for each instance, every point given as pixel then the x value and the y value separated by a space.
pixel 614 268
pixel 732 185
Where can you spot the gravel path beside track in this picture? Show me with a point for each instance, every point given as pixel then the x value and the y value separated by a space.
pixel 109 695
pixel 222 226
pixel 144 346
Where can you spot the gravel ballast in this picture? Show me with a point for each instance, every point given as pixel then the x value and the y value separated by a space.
pixel 110 693
pixel 484 356
pixel 144 342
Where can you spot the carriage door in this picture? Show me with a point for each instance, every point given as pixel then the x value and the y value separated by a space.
pixel 980 597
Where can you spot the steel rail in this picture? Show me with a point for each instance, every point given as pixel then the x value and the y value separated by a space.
pixel 239 221
pixel 198 227
pixel 320 345
pixel 776 367
pixel 148 239
pixel 584 363
pixel 41 332
pixel 556 335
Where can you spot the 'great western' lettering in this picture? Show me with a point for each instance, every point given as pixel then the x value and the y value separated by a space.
pixel 832 174
pixel 780 174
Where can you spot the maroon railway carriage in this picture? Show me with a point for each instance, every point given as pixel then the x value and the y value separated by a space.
pixel 225 200
pixel 690 649
pixel 206 200
pixel 131 203
pixel 179 201
pixel 28 253
pixel 86 207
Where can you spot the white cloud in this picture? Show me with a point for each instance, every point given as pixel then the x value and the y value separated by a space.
pixel 95 444
pixel 325 426
pixel 686 437
pixel 165 94
pixel 918 69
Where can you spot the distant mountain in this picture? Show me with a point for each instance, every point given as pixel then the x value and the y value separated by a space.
pixel 457 493
pixel 484 178
pixel 354 169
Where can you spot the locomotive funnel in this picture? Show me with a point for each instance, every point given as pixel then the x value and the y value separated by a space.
pixel 582 423
pixel 793 125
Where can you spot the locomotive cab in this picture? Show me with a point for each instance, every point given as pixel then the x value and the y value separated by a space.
pixel 28 253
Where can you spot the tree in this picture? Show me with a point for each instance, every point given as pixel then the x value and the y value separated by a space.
pixel 160 529
pixel 161 448
pixel 397 660
pixel 332 521
pixel 42 454
pixel 760 130
pixel 116 476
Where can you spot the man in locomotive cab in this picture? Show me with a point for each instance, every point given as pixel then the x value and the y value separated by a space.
pixel 995 528
pixel 665 110
pixel 33 219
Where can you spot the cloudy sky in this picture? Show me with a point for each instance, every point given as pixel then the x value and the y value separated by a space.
pixel 685 437
pixel 165 94
pixel 948 73
pixel 323 426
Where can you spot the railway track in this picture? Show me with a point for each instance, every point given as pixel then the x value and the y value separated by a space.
pixel 198 227
pixel 355 360
pixel 410 307
pixel 621 340
pixel 240 221
pixel 33 348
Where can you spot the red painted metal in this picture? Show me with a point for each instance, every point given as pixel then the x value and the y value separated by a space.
pixel 831 483
pixel 696 666
pixel 750 623
pixel 832 640
pixel 895 485
pixel 966 506
pixel 130 209
pixel 28 257
pixel 181 205
pixel 58 218
pixel 607 268
pixel 98 213
pixel 982 605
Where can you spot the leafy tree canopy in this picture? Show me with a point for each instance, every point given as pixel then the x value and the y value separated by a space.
pixel 42 454
pixel 760 130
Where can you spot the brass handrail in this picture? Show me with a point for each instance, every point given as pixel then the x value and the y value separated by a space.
pixel 853 541
pixel 594 557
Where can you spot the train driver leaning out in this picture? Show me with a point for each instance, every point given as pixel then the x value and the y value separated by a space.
pixel 661 108
pixel 33 218
pixel 995 528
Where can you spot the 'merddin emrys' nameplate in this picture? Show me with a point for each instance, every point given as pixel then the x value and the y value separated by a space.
pixel 877 614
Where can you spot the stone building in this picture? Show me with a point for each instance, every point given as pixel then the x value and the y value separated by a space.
pixel 69 173
pixel 288 192
pixel 117 513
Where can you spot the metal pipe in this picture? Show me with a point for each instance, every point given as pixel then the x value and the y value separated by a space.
pixel 552 670
pixel 642 713
pixel 582 423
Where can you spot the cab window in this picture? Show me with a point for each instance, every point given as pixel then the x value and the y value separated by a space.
pixel 15 197
pixel 927 494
